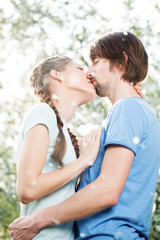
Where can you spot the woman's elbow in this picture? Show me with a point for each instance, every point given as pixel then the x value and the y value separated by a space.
pixel 25 195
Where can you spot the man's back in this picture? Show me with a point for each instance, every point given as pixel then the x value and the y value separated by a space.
pixel 131 123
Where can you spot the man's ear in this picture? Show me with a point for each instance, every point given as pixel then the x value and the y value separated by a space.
pixel 56 75
pixel 121 67
pixel 125 56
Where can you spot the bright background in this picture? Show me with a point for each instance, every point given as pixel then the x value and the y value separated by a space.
pixel 34 29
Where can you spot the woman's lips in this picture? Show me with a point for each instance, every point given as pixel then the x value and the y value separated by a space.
pixel 93 82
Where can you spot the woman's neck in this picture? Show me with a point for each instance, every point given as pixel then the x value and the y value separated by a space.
pixel 65 107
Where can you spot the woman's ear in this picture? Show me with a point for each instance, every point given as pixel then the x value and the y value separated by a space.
pixel 56 75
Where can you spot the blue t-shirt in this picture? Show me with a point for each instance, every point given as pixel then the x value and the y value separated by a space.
pixel 133 124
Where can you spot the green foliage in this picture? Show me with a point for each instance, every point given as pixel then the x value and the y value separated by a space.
pixel 8 200
pixel 11 116
pixel 155 228
pixel 34 29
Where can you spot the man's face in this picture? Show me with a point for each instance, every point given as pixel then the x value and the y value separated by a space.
pixel 101 76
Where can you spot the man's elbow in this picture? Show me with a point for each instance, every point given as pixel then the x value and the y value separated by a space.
pixel 109 195
pixel 114 199
pixel 109 198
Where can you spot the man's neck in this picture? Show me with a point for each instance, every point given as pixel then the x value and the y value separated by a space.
pixel 121 90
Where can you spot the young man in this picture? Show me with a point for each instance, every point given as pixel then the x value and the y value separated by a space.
pixel 116 194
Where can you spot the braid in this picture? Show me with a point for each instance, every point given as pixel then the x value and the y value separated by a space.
pixel 74 143
pixel 51 104
pixel 39 81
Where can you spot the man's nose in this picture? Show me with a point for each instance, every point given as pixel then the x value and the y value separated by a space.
pixel 89 74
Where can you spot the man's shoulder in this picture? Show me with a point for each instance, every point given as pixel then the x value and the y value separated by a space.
pixel 133 104
pixel 129 101
pixel 126 105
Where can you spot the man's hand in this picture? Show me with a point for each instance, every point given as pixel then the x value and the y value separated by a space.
pixel 24 228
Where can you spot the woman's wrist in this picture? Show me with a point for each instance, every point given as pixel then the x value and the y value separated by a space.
pixel 83 163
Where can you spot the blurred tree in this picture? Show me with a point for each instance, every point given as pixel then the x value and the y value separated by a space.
pixel 33 29
pixel 11 116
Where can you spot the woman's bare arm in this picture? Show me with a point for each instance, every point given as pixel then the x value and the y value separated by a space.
pixel 31 183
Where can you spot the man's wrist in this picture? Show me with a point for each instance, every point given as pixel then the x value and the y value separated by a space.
pixel 40 220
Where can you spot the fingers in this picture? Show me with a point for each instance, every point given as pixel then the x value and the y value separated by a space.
pixel 92 137
pixel 138 84
pixel 18 235
pixel 138 89
pixel 13 224
pixel 96 133
pixel 90 146
pixel 140 93
pixel 99 132
pixel 14 227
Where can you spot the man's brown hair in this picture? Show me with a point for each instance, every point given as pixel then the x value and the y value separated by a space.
pixel 122 49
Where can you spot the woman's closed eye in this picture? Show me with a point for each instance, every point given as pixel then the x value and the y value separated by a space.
pixel 80 68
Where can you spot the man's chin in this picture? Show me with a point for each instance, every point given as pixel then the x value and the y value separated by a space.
pixel 94 84
pixel 100 92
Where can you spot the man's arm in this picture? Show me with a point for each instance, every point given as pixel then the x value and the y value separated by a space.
pixel 102 193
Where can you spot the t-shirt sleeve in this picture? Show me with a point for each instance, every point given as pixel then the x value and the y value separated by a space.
pixel 125 125
pixel 40 114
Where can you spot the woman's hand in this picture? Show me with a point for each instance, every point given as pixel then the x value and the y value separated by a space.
pixel 24 228
pixel 90 146
pixel 138 88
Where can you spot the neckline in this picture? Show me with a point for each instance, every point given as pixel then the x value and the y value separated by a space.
pixel 134 97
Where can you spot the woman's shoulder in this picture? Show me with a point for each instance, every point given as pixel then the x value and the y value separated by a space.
pixel 40 112
pixel 41 109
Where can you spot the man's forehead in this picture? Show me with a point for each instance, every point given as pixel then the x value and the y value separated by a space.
pixel 98 59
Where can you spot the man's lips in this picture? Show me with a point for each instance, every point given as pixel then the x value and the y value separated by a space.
pixel 91 79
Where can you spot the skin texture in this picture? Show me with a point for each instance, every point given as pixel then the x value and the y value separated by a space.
pixel 106 189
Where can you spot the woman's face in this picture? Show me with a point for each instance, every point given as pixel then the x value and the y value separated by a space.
pixel 75 79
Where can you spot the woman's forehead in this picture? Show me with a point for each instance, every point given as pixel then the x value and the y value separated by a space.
pixel 75 64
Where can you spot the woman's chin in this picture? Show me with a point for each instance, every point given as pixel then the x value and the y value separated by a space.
pixel 89 97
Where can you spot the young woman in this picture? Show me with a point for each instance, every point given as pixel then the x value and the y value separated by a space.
pixel 48 153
